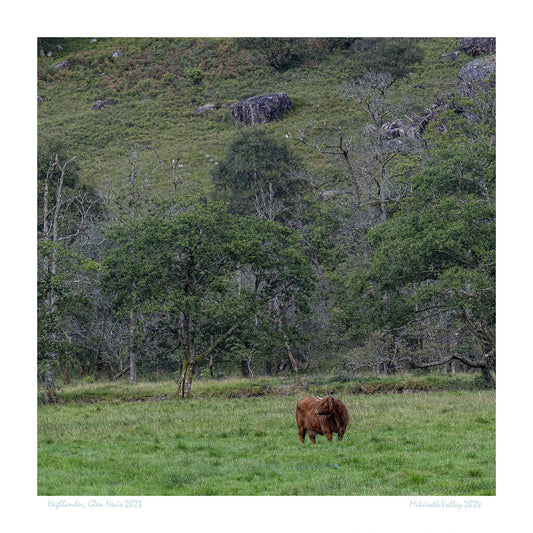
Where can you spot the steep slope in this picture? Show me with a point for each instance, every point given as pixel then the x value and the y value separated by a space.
pixel 155 86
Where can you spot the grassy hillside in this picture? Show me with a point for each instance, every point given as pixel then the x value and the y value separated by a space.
pixel 156 84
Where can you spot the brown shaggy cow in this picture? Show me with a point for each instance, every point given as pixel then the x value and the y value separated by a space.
pixel 322 416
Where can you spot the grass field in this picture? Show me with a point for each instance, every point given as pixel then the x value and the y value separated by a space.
pixel 426 443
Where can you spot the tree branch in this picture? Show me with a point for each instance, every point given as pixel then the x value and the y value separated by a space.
pixel 215 344
pixel 480 363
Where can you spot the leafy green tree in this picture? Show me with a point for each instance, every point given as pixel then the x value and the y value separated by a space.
pixel 437 255
pixel 275 50
pixel 258 173
pixel 395 55
pixel 63 307
pixel 207 269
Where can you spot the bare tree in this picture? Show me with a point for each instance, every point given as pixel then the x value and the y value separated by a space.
pixel 131 200
pixel 370 157
pixel 64 214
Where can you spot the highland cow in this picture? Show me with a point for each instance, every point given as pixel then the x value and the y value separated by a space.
pixel 321 416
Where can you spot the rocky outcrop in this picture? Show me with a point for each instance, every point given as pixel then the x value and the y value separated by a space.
pixel 413 127
pixel 452 56
pixel 101 103
pixel 61 66
pixel 399 128
pixel 478 46
pixel 477 76
pixel 205 108
pixel 260 109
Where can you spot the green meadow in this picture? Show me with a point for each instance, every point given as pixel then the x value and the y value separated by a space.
pixel 422 443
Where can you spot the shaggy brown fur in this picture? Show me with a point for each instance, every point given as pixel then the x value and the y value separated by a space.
pixel 321 416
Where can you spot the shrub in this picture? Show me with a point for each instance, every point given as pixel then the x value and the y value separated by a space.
pixel 194 75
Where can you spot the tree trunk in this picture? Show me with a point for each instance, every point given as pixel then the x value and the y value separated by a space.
pixel 55 223
pixel 246 368
pixel 121 372
pixel 186 329
pixel 293 361
pixel 487 374
pixel 47 382
pixel 97 363
pixel 46 211
pixel 133 357
pixel 54 162
pixel 64 371
pixel 190 361
pixel 383 196
pixel 185 381
pixel 211 371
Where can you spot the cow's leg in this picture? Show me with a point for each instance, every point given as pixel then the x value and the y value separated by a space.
pixel 300 422
pixel 328 436
pixel 312 435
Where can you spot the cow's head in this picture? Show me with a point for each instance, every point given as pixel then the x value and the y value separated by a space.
pixel 326 406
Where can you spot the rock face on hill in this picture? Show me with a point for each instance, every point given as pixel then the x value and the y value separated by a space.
pixel 478 46
pixel 205 108
pixel 452 56
pixel 477 76
pixel 101 103
pixel 260 109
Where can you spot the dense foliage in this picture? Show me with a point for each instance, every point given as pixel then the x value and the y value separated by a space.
pixel 172 241
pixel 206 273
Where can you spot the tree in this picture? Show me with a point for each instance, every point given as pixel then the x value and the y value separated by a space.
pixel 186 266
pixel 63 307
pixel 277 51
pixel 378 163
pixel 64 212
pixel 129 201
pixel 437 255
pixel 384 160
pixel 395 55
pixel 258 173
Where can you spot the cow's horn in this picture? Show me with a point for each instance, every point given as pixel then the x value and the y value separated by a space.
pixel 317 395
pixel 329 393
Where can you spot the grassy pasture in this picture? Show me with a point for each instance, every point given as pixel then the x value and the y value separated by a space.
pixel 436 443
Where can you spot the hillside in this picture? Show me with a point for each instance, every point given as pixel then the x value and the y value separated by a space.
pixel 155 86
